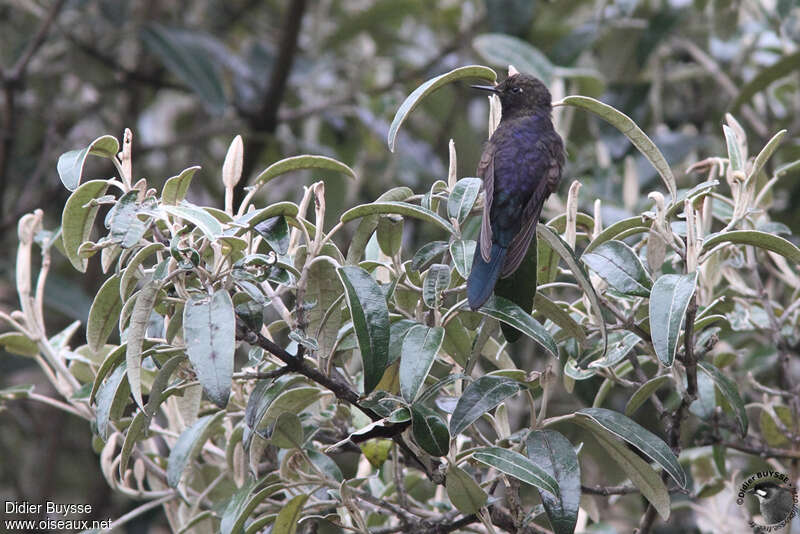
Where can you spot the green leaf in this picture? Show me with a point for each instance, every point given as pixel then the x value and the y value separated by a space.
pixel 20 391
pixel 261 398
pixel 197 216
pixel 427 254
pixel 463 197
pixel 758 239
pixel 397 208
pixel 554 453
pixel 70 164
pixel 288 432
pixel 504 50
pixel 160 382
pixel 617 351
pixel 628 127
pixel 390 234
pixel 641 474
pixel 644 392
pixel 185 57
pixel 644 440
pixel 734 154
pixel 516 465
pixel 188 446
pixel 614 230
pixel 114 358
pixel 131 273
pixel 482 395
pixel 289 516
pixel 369 223
pixel 104 314
pixel 78 218
pixel 568 255
pixel 296 163
pixel 413 100
pixel 669 300
pixel 241 505
pixel 429 431
pixel 319 289
pixel 175 188
pixel 134 433
pixel 112 397
pixel 783 67
pixel 262 221
pixel 511 314
pixel 370 319
pixel 126 228
pixel 729 390
pixel 465 494
pixel 765 154
pixel 420 346
pixel 209 326
pixel 436 281
pixel 618 264
pixel 19 344
pixel 140 317
pixel 462 252
pixel 559 316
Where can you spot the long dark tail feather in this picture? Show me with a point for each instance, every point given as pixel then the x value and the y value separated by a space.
pixel 484 275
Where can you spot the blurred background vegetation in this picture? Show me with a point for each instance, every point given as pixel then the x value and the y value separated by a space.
pixel 326 77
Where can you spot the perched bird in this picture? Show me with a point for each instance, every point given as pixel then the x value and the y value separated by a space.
pixel 520 167
pixel 775 501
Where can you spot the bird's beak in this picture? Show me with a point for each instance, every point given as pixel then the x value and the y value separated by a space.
pixel 490 88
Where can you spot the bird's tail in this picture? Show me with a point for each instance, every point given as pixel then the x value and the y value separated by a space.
pixel 484 275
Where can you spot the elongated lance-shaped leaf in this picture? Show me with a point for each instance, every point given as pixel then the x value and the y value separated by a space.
pixel 511 314
pixel 641 438
pixel 516 465
pixel 465 494
pixel 289 516
pixel 669 300
pixel 397 208
pixel 729 390
pixel 197 216
pixel 188 446
pixel 77 220
pixel 568 255
pixel 436 281
pixel 103 314
pixel 758 239
pixel 140 317
pixel 297 163
pixel 618 264
pixel 554 453
pixel 462 198
pixel 209 327
pixel 426 255
pixel 766 152
pixel 242 503
pixel 70 164
pixel 413 100
pixel 175 188
pixel 112 396
pixel 502 50
pixel 734 154
pixel 625 124
pixel 429 431
pixel 420 346
pixel 783 67
pixel 326 295
pixel 644 392
pixel 482 395
pixel 370 320
pixel 462 252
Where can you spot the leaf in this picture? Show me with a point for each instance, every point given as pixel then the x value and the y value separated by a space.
pixel 567 254
pixel 763 240
pixel 320 290
pixel 209 328
pixel 766 152
pixel 370 319
pixel 427 254
pixel 436 281
pixel 262 221
pixel 783 67
pixel 288 432
pixel 241 505
pixel 465 494
pixel 131 273
pixel 734 154
pixel 644 392
pixel 259 401
pixel 616 229
pixel 397 208
pixel 729 390
pixel 420 346
pixel 296 163
pixel 78 218
pixel 514 464
pixel 618 351
pixel 554 453
pixel 185 57
pixel 19 344
pixel 413 100
pixel 669 300
pixel 618 264
pixel 511 314
pixel 429 431
pixel 628 127
pixel 390 234
pixel 481 396
pixel 463 197
pixel 188 446
pixel 112 397
pixel 70 164
pixel 462 252
pixel 503 50
pixel 134 433
pixel 559 316
pixel 644 440
pixel 160 383
pixel 197 216
pixel 175 188
pixel 140 317
pixel 289 516
pixel 104 313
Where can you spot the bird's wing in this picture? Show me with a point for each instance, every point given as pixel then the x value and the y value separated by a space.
pixel 486 172
pixel 519 245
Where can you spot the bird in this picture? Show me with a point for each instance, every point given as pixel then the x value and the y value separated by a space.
pixel 775 501
pixel 520 167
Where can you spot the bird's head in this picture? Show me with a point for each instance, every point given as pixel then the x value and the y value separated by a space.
pixel 766 491
pixel 521 94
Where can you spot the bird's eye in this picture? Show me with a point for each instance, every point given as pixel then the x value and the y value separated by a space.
pixel 516 90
